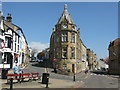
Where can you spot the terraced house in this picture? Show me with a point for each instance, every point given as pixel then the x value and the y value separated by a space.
pixel 1 39
pixel 91 58
pixel 14 45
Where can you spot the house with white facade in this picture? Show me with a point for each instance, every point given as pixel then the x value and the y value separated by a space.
pixel 102 65
pixel 24 53
pixel 2 44
pixel 14 46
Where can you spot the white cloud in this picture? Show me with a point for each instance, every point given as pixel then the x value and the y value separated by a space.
pixel 39 46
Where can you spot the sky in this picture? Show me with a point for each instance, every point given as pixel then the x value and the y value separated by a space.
pixel 60 0
pixel 98 22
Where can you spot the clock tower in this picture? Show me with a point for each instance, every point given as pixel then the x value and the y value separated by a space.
pixel 65 22
pixel 65 43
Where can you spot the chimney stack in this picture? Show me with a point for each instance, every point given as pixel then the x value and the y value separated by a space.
pixel 9 18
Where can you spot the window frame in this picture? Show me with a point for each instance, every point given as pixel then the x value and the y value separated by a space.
pixel 64 51
pixel 72 37
pixel 64 37
pixel 73 52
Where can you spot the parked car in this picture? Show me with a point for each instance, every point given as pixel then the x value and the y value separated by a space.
pixel 33 59
pixel 40 60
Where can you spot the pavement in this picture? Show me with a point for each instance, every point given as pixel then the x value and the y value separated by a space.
pixel 63 81
pixel 53 83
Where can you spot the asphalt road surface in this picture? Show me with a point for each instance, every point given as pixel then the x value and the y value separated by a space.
pixel 90 80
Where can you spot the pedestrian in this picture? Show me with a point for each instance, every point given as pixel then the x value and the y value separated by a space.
pixel 15 69
pixel 21 70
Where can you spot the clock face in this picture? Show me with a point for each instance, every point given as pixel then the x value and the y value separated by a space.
pixel 64 26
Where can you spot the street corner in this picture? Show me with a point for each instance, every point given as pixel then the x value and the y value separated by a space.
pixel 78 84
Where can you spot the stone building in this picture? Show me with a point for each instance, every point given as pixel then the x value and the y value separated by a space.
pixel 67 50
pixel 46 52
pixel 114 56
pixel 84 62
pixel 24 52
pixel 91 58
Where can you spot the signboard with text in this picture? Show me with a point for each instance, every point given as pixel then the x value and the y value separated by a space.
pixel 4 65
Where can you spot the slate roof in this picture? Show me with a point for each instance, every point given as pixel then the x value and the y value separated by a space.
pixel 65 15
pixel 116 42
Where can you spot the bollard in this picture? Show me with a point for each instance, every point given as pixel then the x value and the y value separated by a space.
pixel 47 82
pixel 74 77
pixel 11 84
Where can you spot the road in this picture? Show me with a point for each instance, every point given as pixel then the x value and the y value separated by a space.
pixel 90 80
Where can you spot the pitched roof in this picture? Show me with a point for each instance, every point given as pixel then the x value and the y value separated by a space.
pixel 65 15
pixel 12 26
pixel 116 42
pixel 15 28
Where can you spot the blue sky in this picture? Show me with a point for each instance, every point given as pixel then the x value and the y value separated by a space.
pixel 98 22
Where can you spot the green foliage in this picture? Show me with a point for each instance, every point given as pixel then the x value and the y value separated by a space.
pixel 67 69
